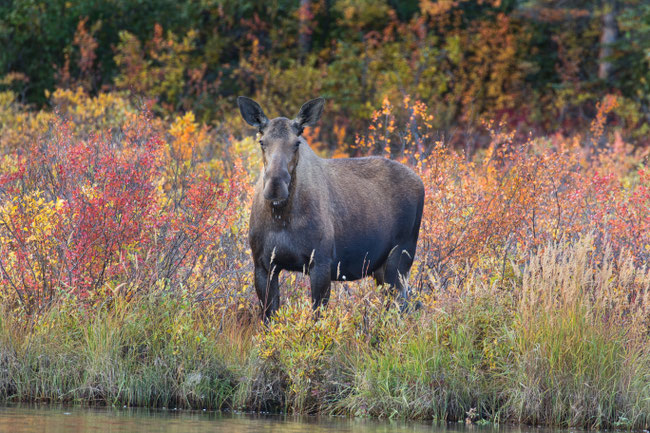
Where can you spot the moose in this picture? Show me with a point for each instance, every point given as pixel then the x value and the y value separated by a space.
pixel 332 219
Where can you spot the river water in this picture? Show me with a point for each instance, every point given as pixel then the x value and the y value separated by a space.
pixel 20 419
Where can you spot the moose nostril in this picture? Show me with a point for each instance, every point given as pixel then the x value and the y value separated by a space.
pixel 276 188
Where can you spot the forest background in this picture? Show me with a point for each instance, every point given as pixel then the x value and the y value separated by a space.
pixel 539 65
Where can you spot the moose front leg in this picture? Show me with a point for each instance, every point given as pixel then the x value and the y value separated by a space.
pixel 320 277
pixel 267 290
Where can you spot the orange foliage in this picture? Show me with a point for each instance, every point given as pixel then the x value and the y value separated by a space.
pixel 110 198
pixel 514 197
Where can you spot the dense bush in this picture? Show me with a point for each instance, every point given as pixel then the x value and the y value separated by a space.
pixel 117 209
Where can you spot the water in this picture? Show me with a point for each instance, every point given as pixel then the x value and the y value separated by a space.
pixel 83 420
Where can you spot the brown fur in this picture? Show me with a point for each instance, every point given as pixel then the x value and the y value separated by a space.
pixel 334 219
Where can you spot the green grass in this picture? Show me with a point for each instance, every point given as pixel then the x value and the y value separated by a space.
pixel 572 370
pixel 151 353
pixel 438 369
pixel 551 350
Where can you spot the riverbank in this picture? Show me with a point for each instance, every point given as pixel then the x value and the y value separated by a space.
pixel 564 346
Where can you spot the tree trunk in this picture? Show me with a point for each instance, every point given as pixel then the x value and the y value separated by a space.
pixel 304 37
pixel 607 39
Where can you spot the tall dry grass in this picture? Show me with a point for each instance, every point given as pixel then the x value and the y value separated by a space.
pixel 582 335
pixel 556 344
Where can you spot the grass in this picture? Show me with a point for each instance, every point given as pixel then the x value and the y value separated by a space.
pixel 559 346
pixel 154 352
pixel 438 369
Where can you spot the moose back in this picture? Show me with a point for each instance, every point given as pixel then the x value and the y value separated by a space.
pixel 333 219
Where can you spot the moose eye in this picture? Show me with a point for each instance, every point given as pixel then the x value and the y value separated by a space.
pixel 261 144
pixel 296 145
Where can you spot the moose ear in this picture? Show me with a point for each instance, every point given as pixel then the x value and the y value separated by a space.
pixel 252 112
pixel 309 114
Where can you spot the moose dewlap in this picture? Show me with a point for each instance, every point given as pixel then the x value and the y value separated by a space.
pixel 333 219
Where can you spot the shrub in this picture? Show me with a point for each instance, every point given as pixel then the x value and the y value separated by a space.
pixel 113 211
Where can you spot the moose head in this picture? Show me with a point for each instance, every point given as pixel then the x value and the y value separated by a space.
pixel 279 140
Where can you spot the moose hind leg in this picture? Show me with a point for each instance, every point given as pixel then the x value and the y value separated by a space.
pixel 397 267
pixel 268 292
